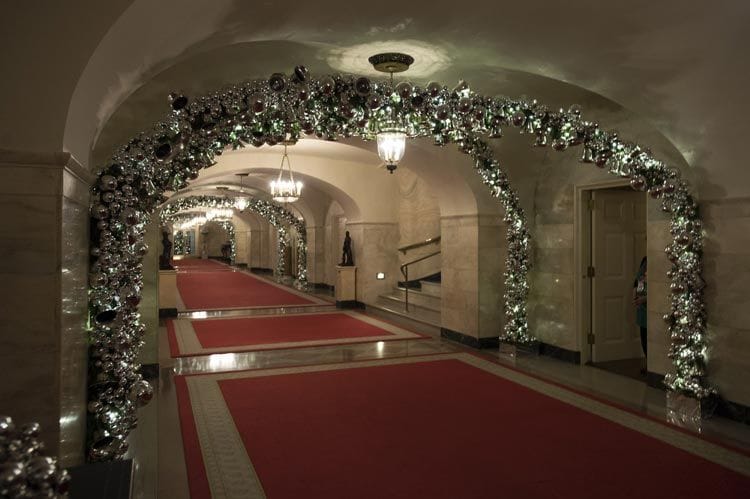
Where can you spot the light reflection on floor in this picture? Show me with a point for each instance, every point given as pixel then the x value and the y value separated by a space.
pixel 168 473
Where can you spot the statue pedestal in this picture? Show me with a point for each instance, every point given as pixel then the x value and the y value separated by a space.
pixel 346 287
pixel 167 293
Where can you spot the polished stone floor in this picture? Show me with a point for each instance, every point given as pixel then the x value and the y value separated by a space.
pixel 156 445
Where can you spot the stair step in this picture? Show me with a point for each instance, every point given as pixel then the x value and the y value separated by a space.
pixel 415 312
pixel 430 288
pixel 416 297
pixel 399 301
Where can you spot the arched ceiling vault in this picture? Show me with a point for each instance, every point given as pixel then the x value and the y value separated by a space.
pixel 679 66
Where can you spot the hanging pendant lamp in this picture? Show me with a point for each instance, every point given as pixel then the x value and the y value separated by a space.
pixel 391 134
pixel 285 190
pixel 241 202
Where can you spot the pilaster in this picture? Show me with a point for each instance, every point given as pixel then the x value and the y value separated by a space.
pixel 44 240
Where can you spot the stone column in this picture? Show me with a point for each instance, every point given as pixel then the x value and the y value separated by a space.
pixel 149 306
pixel 316 261
pixel 473 260
pixel 241 246
pixel 727 274
pixel 375 249
pixel 44 240
pixel 271 247
pixel 254 249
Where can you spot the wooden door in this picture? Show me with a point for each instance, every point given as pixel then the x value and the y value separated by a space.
pixel 618 242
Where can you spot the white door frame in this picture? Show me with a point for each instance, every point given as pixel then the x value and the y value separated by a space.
pixel 581 257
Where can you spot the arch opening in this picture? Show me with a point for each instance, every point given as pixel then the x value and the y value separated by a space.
pixel 262 112
pixel 279 217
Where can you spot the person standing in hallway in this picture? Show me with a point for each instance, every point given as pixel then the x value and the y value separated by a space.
pixel 639 300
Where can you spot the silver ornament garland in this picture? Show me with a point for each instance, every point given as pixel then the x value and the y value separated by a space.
pixel 228 226
pixel 181 243
pixel 24 471
pixel 132 185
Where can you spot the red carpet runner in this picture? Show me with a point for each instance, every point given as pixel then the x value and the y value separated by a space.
pixel 224 290
pixel 204 337
pixel 198 264
pixel 442 427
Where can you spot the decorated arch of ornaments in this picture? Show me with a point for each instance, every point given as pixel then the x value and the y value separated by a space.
pixel 182 243
pixel 266 111
pixel 179 218
pixel 278 216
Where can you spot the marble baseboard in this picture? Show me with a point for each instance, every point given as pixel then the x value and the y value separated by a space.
pixel 113 480
pixel 719 406
pixel 559 353
pixel 261 270
pixel 655 380
pixel 350 304
pixel 149 371
pixel 465 339
pixel 732 410
pixel 321 286
pixel 167 312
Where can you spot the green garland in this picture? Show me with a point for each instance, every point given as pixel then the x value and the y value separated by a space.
pixel 182 243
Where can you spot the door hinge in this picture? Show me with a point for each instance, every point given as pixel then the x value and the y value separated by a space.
pixel 591 338
pixel 592 204
pixel 590 271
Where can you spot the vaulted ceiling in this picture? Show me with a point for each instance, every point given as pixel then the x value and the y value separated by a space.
pixel 87 75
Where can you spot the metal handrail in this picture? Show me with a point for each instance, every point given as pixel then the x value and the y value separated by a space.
pixel 431 240
pixel 405 272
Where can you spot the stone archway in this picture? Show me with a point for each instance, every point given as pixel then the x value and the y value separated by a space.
pixel 279 217
pixel 132 184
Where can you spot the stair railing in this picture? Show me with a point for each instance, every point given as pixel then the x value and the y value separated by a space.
pixel 408 247
pixel 405 272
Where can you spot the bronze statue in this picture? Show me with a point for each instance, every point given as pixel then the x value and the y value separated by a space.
pixel 347 260
pixel 165 259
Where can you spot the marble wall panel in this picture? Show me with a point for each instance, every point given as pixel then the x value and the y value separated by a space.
pixel 34 180
pixel 553 260
pixel 727 275
pixel 241 249
pixel 30 298
pixel 460 276
pixel 728 367
pixel 29 234
pixel 316 256
pixel 30 351
pixel 149 306
pixel 492 250
pixel 73 318
pixel 419 220
pixel 558 236
pixel 270 248
pixel 374 250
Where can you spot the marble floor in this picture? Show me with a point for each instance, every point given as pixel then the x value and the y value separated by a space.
pixel 156 445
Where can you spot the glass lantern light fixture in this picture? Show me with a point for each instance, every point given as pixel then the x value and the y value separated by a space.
pixel 241 202
pixel 391 134
pixel 391 145
pixel 285 190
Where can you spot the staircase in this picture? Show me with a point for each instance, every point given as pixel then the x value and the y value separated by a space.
pixel 424 303
pixel 417 299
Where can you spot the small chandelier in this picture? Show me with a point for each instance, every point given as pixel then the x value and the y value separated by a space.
pixel 219 214
pixel 391 135
pixel 285 190
pixel 241 202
